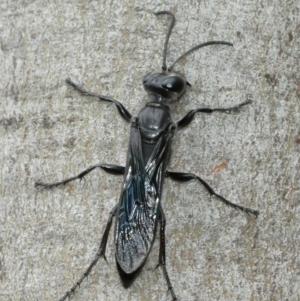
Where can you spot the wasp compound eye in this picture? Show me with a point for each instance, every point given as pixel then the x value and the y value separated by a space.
pixel 174 84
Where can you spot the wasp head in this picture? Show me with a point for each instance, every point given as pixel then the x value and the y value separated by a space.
pixel 168 86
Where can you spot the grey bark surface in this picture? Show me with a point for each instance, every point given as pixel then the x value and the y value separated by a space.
pixel 48 132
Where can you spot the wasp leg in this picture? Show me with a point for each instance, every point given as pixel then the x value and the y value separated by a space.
pixel 162 251
pixel 186 177
pixel 100 252
pixel 112 169
pixel 187 119
pixel 122 110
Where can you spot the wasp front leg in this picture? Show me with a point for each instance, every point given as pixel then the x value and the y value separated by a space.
pixel 187 119
pixel 122 110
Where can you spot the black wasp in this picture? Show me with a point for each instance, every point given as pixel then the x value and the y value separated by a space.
pixel 139 209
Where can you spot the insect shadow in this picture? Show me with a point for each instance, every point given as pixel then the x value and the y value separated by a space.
pixel 139 209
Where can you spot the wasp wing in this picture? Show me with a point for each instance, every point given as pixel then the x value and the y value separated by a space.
pixel 139 200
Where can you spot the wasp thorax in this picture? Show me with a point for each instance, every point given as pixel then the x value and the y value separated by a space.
pixel 168 86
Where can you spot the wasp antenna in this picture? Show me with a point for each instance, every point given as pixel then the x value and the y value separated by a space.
pixel 197 47
pixel 165 12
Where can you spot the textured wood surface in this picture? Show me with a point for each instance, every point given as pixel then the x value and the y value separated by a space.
pixel 49 132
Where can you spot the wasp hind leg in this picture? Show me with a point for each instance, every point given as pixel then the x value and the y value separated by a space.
pixel 100 253
pixel 162 252
pixel 186 177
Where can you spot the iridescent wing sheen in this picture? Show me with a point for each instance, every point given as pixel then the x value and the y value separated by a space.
pixel 139 200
